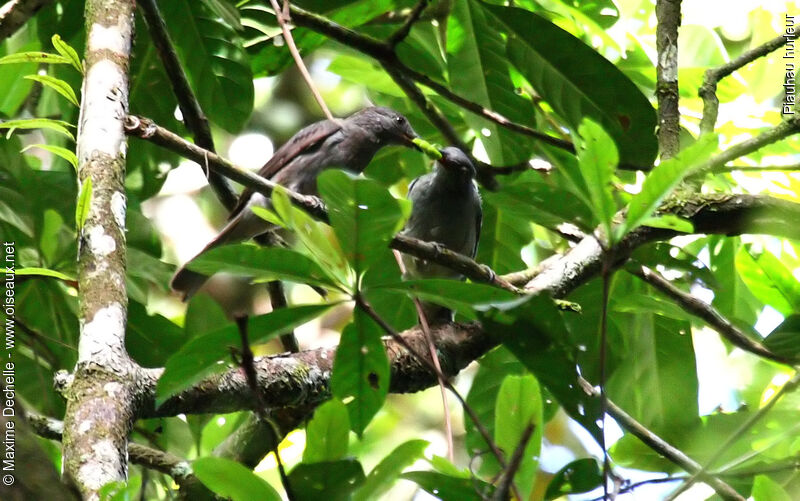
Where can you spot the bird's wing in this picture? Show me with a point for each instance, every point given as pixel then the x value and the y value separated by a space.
pixel 303 141
pixel 478 224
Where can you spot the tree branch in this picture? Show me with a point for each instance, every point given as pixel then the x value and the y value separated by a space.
pixel 708 91
pixel 709 314
pixel 15 13
pixel 100 407
pixel 193 115
pixel 401 34
pixel 668 13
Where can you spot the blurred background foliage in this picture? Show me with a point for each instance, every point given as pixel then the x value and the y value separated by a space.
pixel 549 70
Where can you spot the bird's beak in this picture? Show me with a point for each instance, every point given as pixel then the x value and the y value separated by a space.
pixel 427 148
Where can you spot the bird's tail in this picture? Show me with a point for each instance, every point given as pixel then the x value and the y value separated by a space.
pixel 242 227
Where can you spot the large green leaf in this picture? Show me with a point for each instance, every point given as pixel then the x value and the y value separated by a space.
pixel 262 263
pixel 493 368
pixel 217 65
pixel 361 370
pixel 327 433
pixel 151 339
pixel 785 339
pixel 198 358
pixel 597 159
pixel 316 240
pixel 479 71
pixel 657 384
pixel 581 475
pixel 663 179
pixel 447 487
pixel 231 480
pixel 534 332
pixel 578 82
pixel 383 476
pixel 331 481
pixel 519 405
pixel 770 280
pixel 364 216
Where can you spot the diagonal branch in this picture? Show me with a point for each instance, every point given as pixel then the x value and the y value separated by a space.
pixel 708 91
pixel 193 115
pixel 709 314
pixel 402 32
pixel 15 13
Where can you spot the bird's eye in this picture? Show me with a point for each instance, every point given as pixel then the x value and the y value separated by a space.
pixel 399 119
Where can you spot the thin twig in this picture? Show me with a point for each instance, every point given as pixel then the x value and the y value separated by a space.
pixel 757 168
pixel 192 113
pixel 708 91
pixel 710 315
pixel 736 435
pixel 298 60
pixel 423 323
pixel 501 494
pixel 401 34
pixel 248 367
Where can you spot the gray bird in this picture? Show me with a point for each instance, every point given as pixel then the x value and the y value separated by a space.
pixel 446 208
pixel 348 144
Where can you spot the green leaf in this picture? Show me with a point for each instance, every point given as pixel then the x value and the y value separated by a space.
pixel 216 63
pixel 668 222
pixel 151 339
pixel 383 476
pixel 361 370
pixel 493 368
pixel 597 158
pixel 455 294
pixel 658 383
pixel 534 331
pixel 578 82
pixel 479 72
pixel 33 57
pixel 57 85
pixel 519 405
pixel 39 123
pixel 327 433
pixel 262 263
pixel 331 481
pixel 364 216
pixel 231 480
pixel 447 487
pixel 766 489
pixel 505 231
pixel 315 238
pixel 198 357
pixel 84 203
pixel 663 179
pixel 43 272
pixel 770 280
pixel 226 10
pixel 67 52
pixel 64 153
pixel 785 339
pixel 581 475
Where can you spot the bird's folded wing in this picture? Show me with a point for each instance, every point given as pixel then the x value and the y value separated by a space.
pixel 305 140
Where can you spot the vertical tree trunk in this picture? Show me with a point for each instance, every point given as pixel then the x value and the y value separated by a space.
pixel 668 13
pixel 99 408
